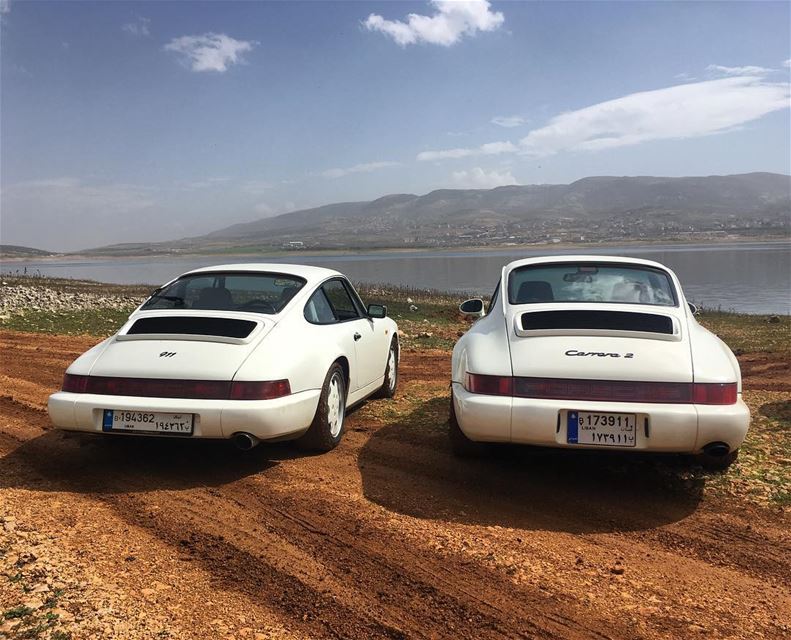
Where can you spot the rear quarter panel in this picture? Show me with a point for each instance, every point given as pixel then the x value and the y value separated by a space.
pixel 712 359
pixel 295 350
pixel 483 349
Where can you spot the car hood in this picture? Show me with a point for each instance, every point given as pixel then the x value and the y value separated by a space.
pixel 599 342
pixel 179 345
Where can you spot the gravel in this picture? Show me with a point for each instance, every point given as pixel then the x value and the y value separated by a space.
pixel 15 297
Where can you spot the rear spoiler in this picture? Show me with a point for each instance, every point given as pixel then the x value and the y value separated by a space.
pixel 598 322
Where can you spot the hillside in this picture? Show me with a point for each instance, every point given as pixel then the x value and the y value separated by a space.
pixel 14 251
pixel 595 208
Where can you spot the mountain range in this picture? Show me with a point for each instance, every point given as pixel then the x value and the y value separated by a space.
pixel 590 209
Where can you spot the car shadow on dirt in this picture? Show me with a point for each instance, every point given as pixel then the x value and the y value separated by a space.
pixel 86 463
pixel 407 467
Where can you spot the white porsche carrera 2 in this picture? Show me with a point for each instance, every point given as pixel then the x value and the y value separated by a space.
pixel 595 352
pixel 249 352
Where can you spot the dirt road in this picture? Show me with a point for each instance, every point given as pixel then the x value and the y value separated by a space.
pixel 387 536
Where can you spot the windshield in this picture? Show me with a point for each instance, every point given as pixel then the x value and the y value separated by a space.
pixel 253 292
pixel 591 282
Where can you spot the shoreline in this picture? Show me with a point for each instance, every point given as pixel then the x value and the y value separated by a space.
pixel 83 257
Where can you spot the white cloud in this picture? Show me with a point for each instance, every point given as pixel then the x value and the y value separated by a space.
pixel 477 178
pixel 256 187
pixel 452 20
pixel 749 70
pixel 366 167
pixel 488 149
pixel 681 111
pixel 787 63
pixel 210 51
pixel 5 6
pixel 508 121
pixel 445 154
pixel 139 28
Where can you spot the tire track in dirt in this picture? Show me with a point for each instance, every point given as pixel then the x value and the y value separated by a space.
pixel 389 536
pixel 279 548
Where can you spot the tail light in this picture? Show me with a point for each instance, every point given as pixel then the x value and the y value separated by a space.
pixel 169 388
pixel 489 385
pixel 711 393
pixel 603 390
pixel 75 384
pixel 260 390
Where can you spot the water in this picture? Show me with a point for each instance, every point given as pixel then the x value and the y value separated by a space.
pixel 746 277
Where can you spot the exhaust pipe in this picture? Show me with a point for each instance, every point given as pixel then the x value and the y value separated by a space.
pixel 717 449
pixel 245 441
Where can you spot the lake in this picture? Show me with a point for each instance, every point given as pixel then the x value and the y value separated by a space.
pixel 746 277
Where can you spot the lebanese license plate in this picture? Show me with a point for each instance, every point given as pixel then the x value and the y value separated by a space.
pixel 148 422
pixel 604 429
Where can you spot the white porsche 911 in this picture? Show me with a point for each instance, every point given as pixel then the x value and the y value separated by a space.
pixel 249 352
pixel 595 352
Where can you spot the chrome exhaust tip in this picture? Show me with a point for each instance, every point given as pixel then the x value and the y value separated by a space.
pixel 245 441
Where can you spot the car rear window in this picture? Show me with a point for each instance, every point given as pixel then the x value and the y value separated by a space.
pixel 591 282
pixel 261 292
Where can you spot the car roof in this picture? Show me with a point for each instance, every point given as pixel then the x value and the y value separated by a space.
pixel 583 258
pixel 309 273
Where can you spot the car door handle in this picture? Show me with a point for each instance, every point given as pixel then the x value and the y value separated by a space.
pixel 357 336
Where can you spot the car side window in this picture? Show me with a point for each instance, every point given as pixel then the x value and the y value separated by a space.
pixel 340 300
pixel 318 309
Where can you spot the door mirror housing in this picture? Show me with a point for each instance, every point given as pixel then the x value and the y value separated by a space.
pixel 377 311
pixel 693 308
pixel 472 308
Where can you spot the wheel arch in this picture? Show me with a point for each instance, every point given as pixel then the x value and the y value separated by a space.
pixel 344 362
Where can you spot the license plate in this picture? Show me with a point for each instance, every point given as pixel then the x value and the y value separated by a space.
pixel 148 422
pixel 604 429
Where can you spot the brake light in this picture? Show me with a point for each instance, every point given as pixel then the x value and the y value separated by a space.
pixel 713 393
pixel 489 385
pixel 260 390
pixel 603 390
pixel 74 384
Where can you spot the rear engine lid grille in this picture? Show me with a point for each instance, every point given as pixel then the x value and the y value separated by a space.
pixel 193 326
pixel 608 320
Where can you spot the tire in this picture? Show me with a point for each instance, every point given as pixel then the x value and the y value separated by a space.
pixel 717 463
pixel 391 372
pixel 326 430
pixel 461 445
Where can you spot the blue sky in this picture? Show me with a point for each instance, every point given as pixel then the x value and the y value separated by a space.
pixel 140 121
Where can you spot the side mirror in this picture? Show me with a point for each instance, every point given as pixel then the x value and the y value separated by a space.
pixel 472 308
pixel 377 311
pixel 693 308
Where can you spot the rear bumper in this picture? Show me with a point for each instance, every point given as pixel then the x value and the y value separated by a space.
pixel 265 419
pixel 681 428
